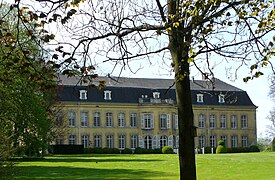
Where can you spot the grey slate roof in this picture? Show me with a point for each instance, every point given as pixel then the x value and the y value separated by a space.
pixel 130 90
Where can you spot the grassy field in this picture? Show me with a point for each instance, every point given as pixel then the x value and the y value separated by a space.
pixel 250 166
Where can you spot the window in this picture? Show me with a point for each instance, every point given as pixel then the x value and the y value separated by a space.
pixel 202 141
pixel 107 95
pixel 244 141
pixel 71 118
pixel 156 95
pixel 83 94
pixel 224 138
pixel 97 119
pixel 59 140
pixel 121 119
pixel 84 119
pixel 133 120
pixel 85 141
pixel 223 121
pixel 147 121
pixel 212 121
pixel 97 139
pixel 212 141
pixel 163 141
pixel 176 121
pixel 199 98
pixel 110 141
pixel 163 121
pixel 134 141
pixel 233 121
pixel 109 119
pixel 121 141
pixel 148 142
pixel 201 121
pixel 244 121
pixel 59 118
pixel 234 141
pixel 72 139
pixel 221 98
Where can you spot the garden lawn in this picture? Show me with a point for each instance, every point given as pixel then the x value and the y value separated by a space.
pixel 250 166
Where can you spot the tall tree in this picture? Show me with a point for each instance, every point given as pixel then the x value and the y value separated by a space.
pixel 183 33
pixel 26 96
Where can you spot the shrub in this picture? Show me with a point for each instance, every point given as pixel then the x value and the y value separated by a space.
pixel 127 151
pixel 221 149
pixel 221 143
pixel 273 145
pixel 167 150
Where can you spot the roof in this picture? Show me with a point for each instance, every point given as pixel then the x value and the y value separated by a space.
pixel 151 83
pixel 131 90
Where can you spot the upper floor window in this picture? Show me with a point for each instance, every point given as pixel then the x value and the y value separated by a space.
pixel 199 98
pixel 109 119
pixel 212 121
pixel 84 119
pixel 201 121
pixel 164 121
pixel 83 94
pixel 244 121
pixel 107 95
pixel 156 95
pixel 133 120
pixel 147 121
pixel 175 121
pixel 97 119
pixel 121 119
pixel 71 118
pixel 223 121
pixel 221 98
pixel 233 121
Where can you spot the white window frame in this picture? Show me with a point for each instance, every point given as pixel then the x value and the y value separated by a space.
pixel 134 141
pixel 176 121
pixel 201 141
pixel 234 121
pixel 244 122
pixel 72 139
pixel 163 121
pixel 163 141
pixel 82 94
pixel 133 120
pixel 244 141
pixel 212 141
pixel 201 123
pixel 212 121
pixel 121 119
pixel 84 119
pixel 222 121
pixel 109 119
pixel 97 141
pixel 110 141
pixel 71 118
pixel 221 98
pixel 148 142
pixel 85 140
pixel 200 98
pixel 234 141
pixel 224 138
pixel 156 95
pixel 147 121
pixel 97 119
pixel 107 95
pixel 121 141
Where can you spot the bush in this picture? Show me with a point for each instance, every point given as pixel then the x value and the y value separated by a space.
pixel 67 149
pixel 127 151
pixel 111 151
pixel 167 150
pixel 147 151
pixel 273 145
pixel 221 149
pixel 221 143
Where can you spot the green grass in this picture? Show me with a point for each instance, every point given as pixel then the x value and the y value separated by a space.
pixel 250 166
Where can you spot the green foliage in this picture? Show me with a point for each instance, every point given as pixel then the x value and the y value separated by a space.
pixel 221 142
pixel 167 150
pixel 147 151
pixel 221 149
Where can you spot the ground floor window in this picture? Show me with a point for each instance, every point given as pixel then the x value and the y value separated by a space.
pixel 234 141
pixel 85 141
pixel 72 139
pixel 97 141
pixel 163 141
pixel 121 142
pixel 244 141
pixel 201 141
pixel 148 142
pixel 134 141
pixel 110 141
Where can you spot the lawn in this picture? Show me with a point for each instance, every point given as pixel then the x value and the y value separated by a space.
pixel 251 166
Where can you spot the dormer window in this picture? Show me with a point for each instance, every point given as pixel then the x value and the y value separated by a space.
pixel 83 94
pixel 199 98
pixel 107 95
pixel 156 95
pixel 221 98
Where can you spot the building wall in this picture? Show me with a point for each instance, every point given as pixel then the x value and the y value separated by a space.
pixel 155 133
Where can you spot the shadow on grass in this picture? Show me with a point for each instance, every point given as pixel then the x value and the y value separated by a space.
pixel 63 172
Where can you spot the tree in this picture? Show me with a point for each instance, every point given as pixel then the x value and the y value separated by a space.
pixel 192 31
pixel 26 96
pixel 271 116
